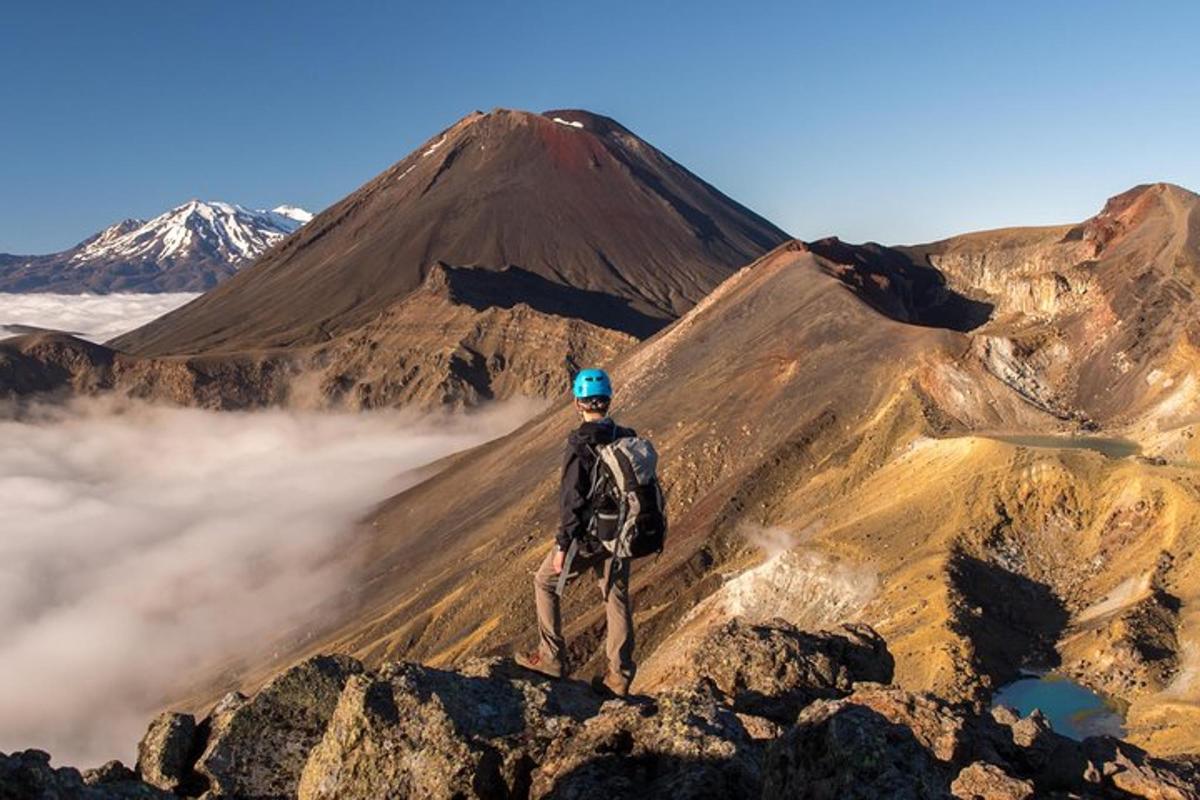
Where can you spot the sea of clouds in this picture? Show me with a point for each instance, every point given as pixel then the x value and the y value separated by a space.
pixel 140 543
pixel 96 317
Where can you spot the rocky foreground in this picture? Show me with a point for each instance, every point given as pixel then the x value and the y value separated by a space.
pixel 766 711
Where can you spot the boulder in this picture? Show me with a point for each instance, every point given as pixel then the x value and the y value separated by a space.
pixel 682 745
pixel 29 776
pixel 1129 770
pixel 849 748
pixel 257 747
pixel 1030 748
pixel 166 751
pixel 938 726
pixel 773 670
pixel 1031 745
pixel 983 781
pixel 108 773
pixel 416 731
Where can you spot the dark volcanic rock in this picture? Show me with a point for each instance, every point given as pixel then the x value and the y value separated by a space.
pixel 984 781
pixel 492 731
pixel 257 747
pixel 882 741
pixel 683 744
pixel 165 752
pixel 327 730
pixel 866 746
pixel 1126 769
pixel 109 772
pixel 415 731
pixel 774 670
pixel 29 776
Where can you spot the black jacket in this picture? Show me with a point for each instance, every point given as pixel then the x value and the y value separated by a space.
pixel 577 475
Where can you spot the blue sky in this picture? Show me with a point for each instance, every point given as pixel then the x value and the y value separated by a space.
pixel 896 122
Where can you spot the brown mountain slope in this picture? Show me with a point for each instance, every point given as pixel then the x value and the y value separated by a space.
pixel 779 373
pixel 568 196
pixel 839 444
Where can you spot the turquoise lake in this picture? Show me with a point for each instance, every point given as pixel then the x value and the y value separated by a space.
pixel 1073 710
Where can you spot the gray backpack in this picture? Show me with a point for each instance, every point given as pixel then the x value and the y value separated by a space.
pixel 629 517
pixel 633 522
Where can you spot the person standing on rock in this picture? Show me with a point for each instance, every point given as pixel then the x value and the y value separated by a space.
pixel 577 548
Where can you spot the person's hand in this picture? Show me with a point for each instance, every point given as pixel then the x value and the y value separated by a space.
pixel 559 557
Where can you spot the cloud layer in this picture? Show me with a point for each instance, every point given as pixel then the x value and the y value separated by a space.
pixel 139 543
pixel 97 317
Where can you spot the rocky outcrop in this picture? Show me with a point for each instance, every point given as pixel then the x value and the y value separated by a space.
pixel 489 730
pixel 882 741
pixel 493 730
pixel 1125 771
pixel 775 670
pixel 415 731
pixel 109 773
pixel 165 752
pixel 984 781
pixel 29 776
pixel 845 748
pixel 257 747
pixel 681 744
pixel 432 349
pixel 1136 651
pixel 896 285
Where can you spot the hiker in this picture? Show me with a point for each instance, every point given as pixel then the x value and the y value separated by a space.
pixel 606 520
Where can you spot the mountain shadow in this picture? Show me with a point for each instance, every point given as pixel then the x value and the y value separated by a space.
pixel 482 288
pixel 1012 621
pixel 895 285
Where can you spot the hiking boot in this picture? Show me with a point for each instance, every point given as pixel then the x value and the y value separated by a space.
pixel 536 662
pixel 612 684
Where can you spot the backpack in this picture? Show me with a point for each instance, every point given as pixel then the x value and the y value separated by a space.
pixel 628 514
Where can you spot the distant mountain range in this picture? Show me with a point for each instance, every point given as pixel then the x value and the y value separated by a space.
pixel 192 247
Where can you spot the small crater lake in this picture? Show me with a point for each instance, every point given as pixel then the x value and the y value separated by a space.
pixel 1074 711
pixel 1111 447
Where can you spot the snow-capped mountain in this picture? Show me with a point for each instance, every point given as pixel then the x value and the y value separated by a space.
pixel 189 248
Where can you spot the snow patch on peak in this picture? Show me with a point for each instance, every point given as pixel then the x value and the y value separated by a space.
pixel 433 147
pixel 562 121
pixel 293 212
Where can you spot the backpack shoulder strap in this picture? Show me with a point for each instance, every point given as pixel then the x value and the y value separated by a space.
pixel 596 474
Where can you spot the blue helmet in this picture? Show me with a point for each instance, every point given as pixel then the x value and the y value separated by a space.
pixel 592 383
